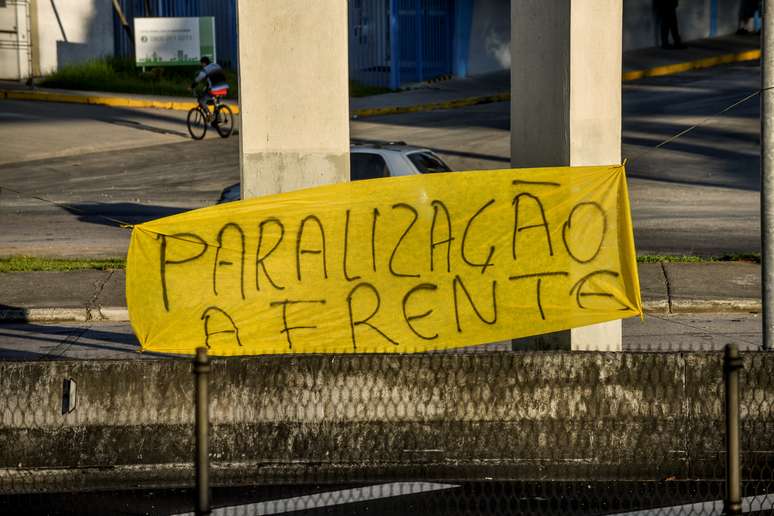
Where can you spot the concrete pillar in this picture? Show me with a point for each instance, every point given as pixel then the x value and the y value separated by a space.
pixel 293 94
pixel 566 106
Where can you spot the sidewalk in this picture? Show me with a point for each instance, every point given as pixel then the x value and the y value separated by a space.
pixel 91 295
pixel 494 87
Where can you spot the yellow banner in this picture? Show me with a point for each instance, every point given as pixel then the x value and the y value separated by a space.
pixel 400 264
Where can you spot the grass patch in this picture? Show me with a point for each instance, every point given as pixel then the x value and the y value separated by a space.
pixel 689 258
pixel 741 257
pixel 669 258
pixel 30 263
pixel 120 75
pixel 358 89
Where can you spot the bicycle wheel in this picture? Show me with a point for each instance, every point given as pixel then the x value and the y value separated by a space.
pixel 224 121
pixel 197 123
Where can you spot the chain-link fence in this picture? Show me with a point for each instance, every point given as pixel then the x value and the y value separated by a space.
pixel 487 432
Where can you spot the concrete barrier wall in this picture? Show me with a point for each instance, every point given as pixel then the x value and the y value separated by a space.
pixel 490 37
pixel 72 31
pixel 490 31
pixel 334 418
pixel 696 19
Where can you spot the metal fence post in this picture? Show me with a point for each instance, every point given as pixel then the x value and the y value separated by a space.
pixel 202 424
pixel 767 177
pixel 732 363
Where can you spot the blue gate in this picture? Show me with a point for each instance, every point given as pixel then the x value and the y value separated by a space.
pixel 419 33
pixel 423 32
pixel 369 42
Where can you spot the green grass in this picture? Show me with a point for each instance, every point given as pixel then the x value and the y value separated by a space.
pixel 120 75
pixel 30 263
pixel 669 258
pixel 358 89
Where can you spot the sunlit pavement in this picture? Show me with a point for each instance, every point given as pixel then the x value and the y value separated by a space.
pixel 697 195
pixel 102 341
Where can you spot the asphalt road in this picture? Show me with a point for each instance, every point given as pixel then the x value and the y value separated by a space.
pixel 696 195
pixel 485 498
pixel 42 130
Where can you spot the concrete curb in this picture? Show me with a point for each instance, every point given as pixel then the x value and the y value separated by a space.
pixel 121 314
pixel 698 64
pixel 695 306
pixel 683 306
pixel 53 314
pixel 660 306
pixel 626 76
pixel 431 106
pixel 101 100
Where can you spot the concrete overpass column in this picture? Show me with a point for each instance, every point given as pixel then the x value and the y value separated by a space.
pixel 566 107
pixel 293 94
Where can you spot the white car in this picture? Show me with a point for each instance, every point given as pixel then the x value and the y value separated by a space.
pixel 373 160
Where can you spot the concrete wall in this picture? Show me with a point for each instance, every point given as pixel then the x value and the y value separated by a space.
pixel 72 31
pixel 489 48
pixel 490 30
pixel 639 21
pixel 694 19
pixel 728 16
pixel 602 416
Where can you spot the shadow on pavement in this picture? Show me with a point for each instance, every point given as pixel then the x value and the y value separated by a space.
pixel 30 341
pixel 131 213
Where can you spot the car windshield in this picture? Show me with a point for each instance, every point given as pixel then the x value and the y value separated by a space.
pixel 428 163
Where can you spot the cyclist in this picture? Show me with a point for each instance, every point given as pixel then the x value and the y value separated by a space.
pixel 216 82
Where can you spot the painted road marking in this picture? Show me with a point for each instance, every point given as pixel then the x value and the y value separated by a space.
pixel 331 498
pixel 713 508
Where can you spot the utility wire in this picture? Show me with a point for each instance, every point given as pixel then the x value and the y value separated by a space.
pixel 701 123
pixel 126 225
pixel 69 207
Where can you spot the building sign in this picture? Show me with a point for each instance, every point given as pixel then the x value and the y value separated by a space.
pixel 399 264
pixel 174 41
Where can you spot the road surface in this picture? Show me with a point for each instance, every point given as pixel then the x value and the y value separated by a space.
pixel 104 340
pixel 696 195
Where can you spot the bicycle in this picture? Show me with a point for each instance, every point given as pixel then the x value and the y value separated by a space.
pixel 221 117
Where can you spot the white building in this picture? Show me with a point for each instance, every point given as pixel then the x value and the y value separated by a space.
pixel 39 36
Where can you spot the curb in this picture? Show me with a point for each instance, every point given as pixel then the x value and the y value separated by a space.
pixel 660 306
pixel 631 75
pixel 695 306
pixel 103 314
pixel 686 306
pixel 431 106
pixel 121 314
pixel 69 98
pixel 698 64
